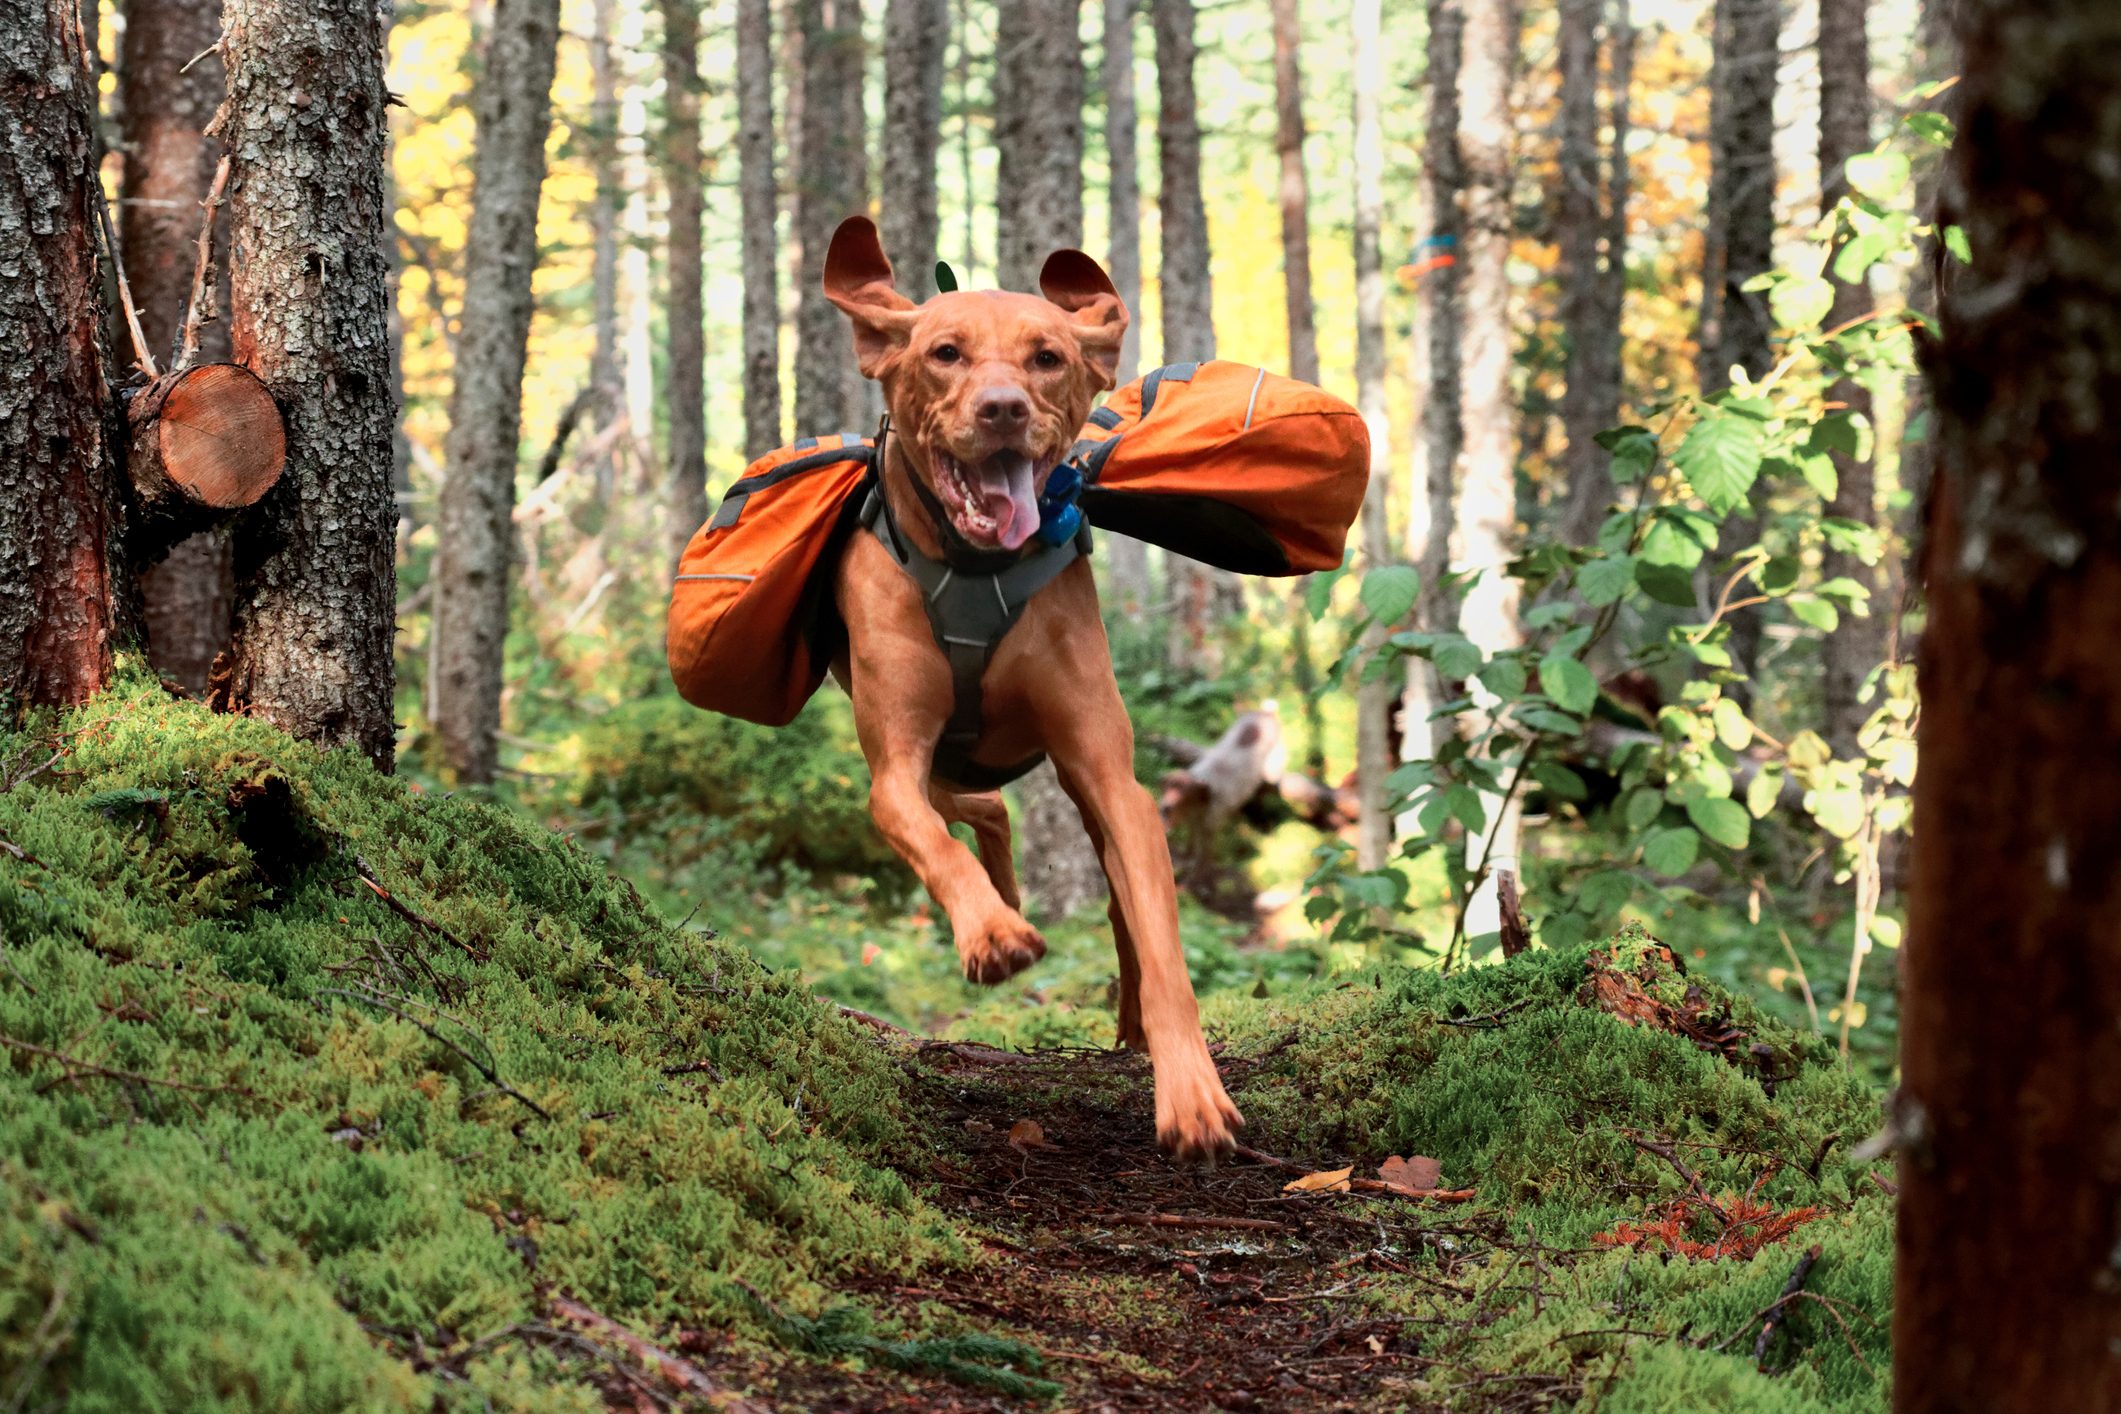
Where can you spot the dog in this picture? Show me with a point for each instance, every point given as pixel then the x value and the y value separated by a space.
pixel 985 393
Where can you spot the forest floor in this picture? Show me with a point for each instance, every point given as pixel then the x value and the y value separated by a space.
pixel 320 1091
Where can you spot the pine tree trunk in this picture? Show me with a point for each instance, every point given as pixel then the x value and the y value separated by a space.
pixel 62 598
pixel 607 384
pixel 1296 189
pixel 1590 213
pixel 1439 328
pixel 685 487
pixel 1858 644
pixel 1038 134
pixel 1201 597
pixel 1127 559
pixel 916 32
pixel 2010 1100
pixel 832 184
pixel 759 197
pixel 1486 528
pixel 513 107
pixel 169 165
pixel 1740 239
pixel 310 639
pixel 1373 697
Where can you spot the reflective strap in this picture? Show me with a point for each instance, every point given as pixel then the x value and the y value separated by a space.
pixel 1253 401
pixel 736 578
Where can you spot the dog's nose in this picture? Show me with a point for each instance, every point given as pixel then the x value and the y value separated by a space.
pixel 1004 409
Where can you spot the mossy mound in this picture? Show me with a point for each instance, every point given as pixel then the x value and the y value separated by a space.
pixel 270 1139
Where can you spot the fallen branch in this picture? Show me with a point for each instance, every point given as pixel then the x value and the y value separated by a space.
pixel 1775 1313
pixel 76 1068
pixel 1182 1220
pixel 1441 1195
pixel 675 1370
pixel 201 275
pixel 493 1077
pixel 410 915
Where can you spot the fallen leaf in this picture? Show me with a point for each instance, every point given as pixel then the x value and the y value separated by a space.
pixel 1026 1134
pixel 1377 1345
pixel 1419 1174
pixel 1328 1181
pixel 870 953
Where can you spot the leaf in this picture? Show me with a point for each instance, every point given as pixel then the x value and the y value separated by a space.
pixel 1419 1174
pixel 1808 751
pixel 1821 475
pixel 1955 241
pixel 1672 851
pixel 1546 719
pixel 1839 812
pixel 1604 580
pixel 1505 677
pixel 1455 657
pixel 1801 301
pixel 1764 791
pixel 1568 682
pixel 1934 128
pixel 1667 584
pixel 1318 594
pixel 1389 592
pixel 1722 819
pixel 1836 432
pixel 1325 1181
pixel 1560 781
pixel 1026 1135
pixel 1880 176
pixel 1732 728
pixel 1643 806
pixel 1634 452
pixel 1721 456
pixel 1817 613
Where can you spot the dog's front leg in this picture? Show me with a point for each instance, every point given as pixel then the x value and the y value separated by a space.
pixel 1194 1116
pixel 994 941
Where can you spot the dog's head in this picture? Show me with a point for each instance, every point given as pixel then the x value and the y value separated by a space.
pixel 987 391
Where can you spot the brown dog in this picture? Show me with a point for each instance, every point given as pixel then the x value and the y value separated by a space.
pixel 986 393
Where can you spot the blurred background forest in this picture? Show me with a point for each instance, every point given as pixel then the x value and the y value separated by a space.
pixel 1623 287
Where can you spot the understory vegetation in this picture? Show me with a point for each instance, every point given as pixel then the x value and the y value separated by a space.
pixel 322 1091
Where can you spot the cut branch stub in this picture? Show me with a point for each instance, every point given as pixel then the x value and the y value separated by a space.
pixel 206 442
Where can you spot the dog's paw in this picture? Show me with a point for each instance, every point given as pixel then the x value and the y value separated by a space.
pixel 998 947
pixel 1195 1120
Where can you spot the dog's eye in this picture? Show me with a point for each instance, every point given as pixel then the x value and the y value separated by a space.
pixel 1046 358
pixel 946 353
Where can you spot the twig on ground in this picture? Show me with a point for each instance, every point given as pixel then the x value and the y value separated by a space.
pixel 674 1369
pixel 1186 1221
pixel 1773 1318
pixel 410 915
pixel 887 1027
pixel 1693 1181
pixel 76 1067
pixel 1490 1022
pixel 367 998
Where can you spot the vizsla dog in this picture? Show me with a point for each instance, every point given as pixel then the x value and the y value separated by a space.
pixel 986 392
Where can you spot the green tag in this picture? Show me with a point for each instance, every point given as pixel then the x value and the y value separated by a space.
pixel 945 281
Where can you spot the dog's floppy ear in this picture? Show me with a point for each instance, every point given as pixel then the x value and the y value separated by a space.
pixel 1080 285
pixel 858 280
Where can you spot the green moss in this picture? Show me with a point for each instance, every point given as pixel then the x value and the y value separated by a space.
pixel 271 1191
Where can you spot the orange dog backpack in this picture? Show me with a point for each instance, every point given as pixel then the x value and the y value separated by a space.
pixel 1229 465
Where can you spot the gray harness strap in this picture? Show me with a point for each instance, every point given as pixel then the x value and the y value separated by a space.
pixel 970 615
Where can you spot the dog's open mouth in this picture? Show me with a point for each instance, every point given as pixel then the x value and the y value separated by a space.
pixel 992 501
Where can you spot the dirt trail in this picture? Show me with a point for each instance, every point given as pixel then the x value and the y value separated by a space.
pixel 1248 1301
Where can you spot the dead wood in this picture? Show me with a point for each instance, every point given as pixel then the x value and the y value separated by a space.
pixel 206 442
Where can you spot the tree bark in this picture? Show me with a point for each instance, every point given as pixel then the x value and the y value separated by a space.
pixel 1373 697
pixel 832 184
pixel 62 599
pixel 1038 134
pixel 1439 328
pixel 916 32
pixel 169 164
pixel 513 108
pixel 1591 215
pixel 2009 1109
pixel 685 490
pixel 1296 186
pixel 758 196
pixel 1858 644
pixel 1739 241
pixel 607 384
pixel 1128 559
pixel 1487 484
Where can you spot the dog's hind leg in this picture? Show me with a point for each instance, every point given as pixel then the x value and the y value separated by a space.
pixel 988 815
pixel 993 939
pixel 1130 970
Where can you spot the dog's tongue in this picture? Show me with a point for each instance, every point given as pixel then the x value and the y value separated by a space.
pixel 1007 496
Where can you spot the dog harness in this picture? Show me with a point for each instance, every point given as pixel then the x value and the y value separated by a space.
pixel 972 604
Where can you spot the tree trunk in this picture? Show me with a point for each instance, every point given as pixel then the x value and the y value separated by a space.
pixel 169 164
pixel 607 384
pixel 1858 644
pixel 1432 506
pixel 916 32
pixel 1038 134
pixel 1128 559
pixel 2009 1109
pixel 1590 212
pixel 310 638
pixel 685 491
pixel 1739 241
pixel 1061 871
pixel 1373 697
pixel 1296 187
pixel 1487 484
pixel 832 184
pixel 759 198
pixel 62 600
pixel 513 107
pixel 1200 596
